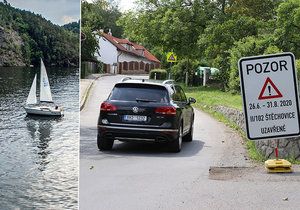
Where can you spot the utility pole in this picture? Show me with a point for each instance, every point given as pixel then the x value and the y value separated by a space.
pixel 186 78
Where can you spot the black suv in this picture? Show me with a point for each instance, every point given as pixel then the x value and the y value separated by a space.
pixel 145 110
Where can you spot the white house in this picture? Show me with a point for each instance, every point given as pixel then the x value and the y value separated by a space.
pixel 121 56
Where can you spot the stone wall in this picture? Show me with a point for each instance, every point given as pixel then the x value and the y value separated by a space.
pixel 289 147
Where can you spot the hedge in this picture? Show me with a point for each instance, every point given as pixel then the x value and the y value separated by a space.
pixel 161 74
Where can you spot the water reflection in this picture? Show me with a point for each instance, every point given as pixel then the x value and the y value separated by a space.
pixel 39 155
pixel 39 128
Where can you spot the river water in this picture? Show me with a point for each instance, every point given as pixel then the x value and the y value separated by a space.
pixel 38 155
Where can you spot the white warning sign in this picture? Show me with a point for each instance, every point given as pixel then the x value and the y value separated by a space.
pixel 270 96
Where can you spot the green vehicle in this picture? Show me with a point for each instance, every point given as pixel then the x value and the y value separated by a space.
pixel 210 71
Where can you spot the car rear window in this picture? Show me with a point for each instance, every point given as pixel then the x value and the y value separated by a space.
pixel 143 93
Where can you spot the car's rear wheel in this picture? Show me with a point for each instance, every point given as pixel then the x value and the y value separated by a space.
pixel 103 143
pixel 189 136
pixel 175 146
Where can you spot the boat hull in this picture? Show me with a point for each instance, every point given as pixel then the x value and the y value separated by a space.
pixel 43 110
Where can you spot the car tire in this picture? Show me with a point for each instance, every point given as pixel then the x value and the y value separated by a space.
pixel 104 144
pixel 175 146
pixel 189 136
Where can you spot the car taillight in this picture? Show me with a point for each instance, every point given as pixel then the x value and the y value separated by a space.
pixel 167 110
pixel 107 107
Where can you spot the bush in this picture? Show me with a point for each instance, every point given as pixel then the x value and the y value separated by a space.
pixel 161 74
pixel 249 46
pixel 298 68
pixel 179 70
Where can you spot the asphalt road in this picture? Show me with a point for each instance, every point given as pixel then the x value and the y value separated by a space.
pixel 201 176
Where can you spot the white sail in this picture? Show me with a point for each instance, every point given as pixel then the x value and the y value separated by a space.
pixel 31 99
pixel 45 92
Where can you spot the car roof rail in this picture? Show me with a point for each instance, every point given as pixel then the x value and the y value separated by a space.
pixel 125 79
pixel 169 81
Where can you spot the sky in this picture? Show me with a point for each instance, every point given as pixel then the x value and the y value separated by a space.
pixel 58 12
pixel 124 5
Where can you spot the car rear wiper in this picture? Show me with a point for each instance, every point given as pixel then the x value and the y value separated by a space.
pixel 144 100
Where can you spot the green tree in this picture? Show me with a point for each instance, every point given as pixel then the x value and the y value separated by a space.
pixel 218 38
pixel 40 38
pixel 89 44
pixel 287 32
pixel 96 16
pixel 258 9
pixel 248 46
pixel 169 25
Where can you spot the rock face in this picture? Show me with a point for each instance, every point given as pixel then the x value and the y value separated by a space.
pixel 10 48
pixel 287 148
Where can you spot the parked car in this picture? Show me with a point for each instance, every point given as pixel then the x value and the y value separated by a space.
pixel 145 110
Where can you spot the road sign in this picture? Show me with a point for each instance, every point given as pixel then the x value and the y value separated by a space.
pixel 270 96
pixel 171 57
pixel 267 93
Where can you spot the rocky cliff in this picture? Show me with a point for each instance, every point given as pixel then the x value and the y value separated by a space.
pixel 10 48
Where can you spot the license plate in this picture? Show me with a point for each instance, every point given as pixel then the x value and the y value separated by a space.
pixel 135 118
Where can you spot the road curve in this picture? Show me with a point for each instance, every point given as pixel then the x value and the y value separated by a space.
pixel 144 176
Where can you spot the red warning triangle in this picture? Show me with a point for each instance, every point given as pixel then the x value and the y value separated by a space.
pixel 171 58
pixel 269 91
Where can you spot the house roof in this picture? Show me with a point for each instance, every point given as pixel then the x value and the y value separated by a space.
pixel 135 50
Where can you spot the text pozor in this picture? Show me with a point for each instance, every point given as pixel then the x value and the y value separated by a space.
pixel 267 67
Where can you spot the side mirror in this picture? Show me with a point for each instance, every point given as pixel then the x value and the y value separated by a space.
pixel 192 100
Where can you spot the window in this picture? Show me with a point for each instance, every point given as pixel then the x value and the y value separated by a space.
pixel 128 47
pixel 134 92
pixel 178 94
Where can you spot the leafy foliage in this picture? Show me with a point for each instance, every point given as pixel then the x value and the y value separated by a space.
pixel 248 46
pixel 89 44
pixel 218 38
pixel 298 68
pixel 285 38
pixel 168 25
pixel 287 33
pixel 184 66
pixel 96 16
pixel 74 27
pixel 216 32
pixel 258 9
pixel 161 74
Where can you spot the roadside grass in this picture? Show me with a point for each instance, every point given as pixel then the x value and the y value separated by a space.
pixel 208 97
pixel 212 96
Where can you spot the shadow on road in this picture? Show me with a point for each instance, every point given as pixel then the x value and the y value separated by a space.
pixel 153 149
pixel 88 147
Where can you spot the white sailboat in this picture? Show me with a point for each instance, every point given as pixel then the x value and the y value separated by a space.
pixel 37 108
